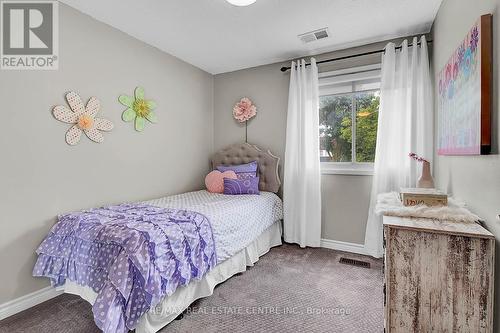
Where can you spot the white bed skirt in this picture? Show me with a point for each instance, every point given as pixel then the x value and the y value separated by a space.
pixel 172 306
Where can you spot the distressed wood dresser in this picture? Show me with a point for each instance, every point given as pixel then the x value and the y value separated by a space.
pixel 438 276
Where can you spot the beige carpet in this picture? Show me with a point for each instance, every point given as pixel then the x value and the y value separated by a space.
pixel 288 290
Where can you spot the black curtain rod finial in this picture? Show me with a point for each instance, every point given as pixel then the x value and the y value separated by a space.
pixel 284 69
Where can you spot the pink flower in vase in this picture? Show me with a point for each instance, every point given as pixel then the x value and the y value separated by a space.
pixel 244 110
pixel 417 158
pixel 425 180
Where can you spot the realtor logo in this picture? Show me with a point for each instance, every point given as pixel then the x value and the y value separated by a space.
pixel 29 35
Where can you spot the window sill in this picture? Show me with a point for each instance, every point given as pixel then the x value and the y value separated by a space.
pixel 350 169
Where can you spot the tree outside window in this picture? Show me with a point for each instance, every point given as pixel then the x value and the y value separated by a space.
pixel 348 127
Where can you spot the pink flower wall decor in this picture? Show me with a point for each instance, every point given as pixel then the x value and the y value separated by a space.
pixel 244 110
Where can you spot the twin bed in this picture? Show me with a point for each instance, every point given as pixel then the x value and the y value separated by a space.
pixel 190 243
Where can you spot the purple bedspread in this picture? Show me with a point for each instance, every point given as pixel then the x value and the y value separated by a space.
pixel 131 255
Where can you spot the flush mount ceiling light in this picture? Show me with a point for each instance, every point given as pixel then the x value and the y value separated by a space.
pixel 241 3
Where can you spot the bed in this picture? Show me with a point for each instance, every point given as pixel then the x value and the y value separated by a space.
pixel 243 228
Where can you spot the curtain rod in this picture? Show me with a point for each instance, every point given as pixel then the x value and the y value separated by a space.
pixel 285 68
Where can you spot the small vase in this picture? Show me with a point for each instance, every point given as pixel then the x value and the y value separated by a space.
pixel 426 180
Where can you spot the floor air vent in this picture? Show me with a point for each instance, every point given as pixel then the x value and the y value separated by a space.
pixel 354 262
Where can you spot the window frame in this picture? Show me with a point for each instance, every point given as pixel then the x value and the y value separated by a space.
pixel 353 167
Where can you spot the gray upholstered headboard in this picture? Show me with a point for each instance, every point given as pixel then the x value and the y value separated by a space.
pixel 241 153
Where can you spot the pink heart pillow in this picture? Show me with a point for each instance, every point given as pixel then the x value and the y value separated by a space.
pixel 214 181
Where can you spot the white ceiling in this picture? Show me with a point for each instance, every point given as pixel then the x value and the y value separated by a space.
pixel 219 37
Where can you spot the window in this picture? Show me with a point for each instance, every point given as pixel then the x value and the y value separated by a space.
pixel 348 115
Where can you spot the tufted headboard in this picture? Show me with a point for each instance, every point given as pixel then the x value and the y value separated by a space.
pixel 241 153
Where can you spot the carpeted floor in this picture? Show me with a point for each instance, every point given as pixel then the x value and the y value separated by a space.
pixel 288 290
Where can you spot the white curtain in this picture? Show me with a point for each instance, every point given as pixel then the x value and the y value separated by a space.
pixel 302 183
pixel 405 125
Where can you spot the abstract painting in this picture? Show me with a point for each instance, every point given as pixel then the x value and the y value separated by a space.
pixel 464 99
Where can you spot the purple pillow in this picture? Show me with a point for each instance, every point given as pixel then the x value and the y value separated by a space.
pixel 243 171
pixel 241 186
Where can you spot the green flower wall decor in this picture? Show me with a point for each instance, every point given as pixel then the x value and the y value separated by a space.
pixel 138 109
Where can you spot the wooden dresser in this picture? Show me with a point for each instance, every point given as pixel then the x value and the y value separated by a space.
pixel 438 276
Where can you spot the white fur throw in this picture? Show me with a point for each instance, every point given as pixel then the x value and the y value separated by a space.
pixel 390 204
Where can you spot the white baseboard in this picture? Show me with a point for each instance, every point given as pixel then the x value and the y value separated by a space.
pixel 343 246
pixel 27 301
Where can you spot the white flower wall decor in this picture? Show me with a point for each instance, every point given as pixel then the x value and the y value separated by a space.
pixel 83 117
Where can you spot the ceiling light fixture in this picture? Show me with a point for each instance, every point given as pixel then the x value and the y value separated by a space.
pixel 241 2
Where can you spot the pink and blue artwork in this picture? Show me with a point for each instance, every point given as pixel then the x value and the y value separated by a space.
pixel 463 111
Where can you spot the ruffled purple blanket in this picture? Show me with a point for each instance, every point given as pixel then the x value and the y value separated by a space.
pixel 131 255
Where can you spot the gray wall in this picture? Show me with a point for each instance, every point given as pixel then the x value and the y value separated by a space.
pixel 41 176
pixel 345 201
pixel 345 198
pixel 475 179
